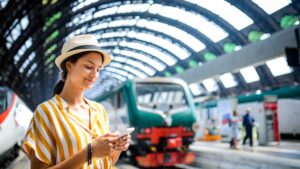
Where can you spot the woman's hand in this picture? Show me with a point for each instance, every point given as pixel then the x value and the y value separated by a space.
pixel 103 145
pixel 122 143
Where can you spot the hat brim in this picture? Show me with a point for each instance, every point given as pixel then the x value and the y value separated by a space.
pixel 61 58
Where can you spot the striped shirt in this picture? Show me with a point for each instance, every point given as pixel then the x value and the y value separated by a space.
pixel 55 133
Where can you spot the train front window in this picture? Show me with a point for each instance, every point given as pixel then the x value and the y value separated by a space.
pixel 162 96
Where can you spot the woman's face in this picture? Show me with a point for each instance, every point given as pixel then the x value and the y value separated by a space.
pixel 85 71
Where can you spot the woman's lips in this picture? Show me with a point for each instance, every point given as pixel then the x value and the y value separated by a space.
pixel 91 81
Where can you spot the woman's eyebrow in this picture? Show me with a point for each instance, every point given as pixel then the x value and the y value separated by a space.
pixel 93 63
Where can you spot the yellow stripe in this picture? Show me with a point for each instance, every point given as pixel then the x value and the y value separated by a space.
pixel 58 141
pixel 75 133
pixel 63 129
pixel 38 149
pixel 49 134
pixel 105 163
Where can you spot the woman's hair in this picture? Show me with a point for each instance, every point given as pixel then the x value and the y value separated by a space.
pixel 73 59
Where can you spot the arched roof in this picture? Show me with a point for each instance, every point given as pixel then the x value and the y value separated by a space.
pixel 145 37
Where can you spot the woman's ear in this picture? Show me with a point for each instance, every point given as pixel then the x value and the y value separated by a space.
pixel 68 66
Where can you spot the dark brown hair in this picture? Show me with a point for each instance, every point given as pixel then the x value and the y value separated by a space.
pixel 73 59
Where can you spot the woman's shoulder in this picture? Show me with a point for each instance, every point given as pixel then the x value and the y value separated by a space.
pixel 45 106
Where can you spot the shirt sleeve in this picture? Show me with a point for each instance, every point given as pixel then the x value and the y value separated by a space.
pixel 38 139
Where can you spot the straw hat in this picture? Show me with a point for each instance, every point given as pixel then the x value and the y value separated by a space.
pixel 78 44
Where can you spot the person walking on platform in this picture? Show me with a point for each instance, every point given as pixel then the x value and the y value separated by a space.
pixel 70 131
pixel 234 125
pixel 248 123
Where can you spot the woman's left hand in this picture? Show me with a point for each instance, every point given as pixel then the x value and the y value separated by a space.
pixel 122 143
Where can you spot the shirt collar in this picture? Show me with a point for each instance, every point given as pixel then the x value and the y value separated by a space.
pixel 62 104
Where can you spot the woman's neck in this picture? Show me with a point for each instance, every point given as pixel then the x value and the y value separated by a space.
pixel 72 95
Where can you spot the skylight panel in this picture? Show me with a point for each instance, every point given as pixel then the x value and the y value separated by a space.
pixel 225 10
pixel 210 85
pixel 271 6
pixel 98 26
pixel 32 68
pixel 194 87
pixel 179 34
pixel 127 22
pixel 175 49
pixel 146 59
pixel 28 42
pixel 198 22
pixel 113 34
pixel 129 69
pixel 136 64
pixel 278 66
pixel 105 12
pixel 133 8
pixel 228 80
pixel 121 72
pixel 24 22
pixel 103 44
pixel 16 32
pixel 169 60
pixel 249 74
pixel 155 8
pixel 3 3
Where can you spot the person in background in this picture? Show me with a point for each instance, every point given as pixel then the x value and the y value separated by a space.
pixel 248 123
pixel 234 125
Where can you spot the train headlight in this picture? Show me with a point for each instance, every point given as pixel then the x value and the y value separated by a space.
pixel 148 130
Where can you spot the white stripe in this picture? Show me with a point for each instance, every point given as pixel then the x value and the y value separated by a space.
pixel 58 130
pixel 46 137
pixel 42 147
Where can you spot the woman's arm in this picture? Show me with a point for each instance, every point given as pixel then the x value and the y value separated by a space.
pixel 76 161
pixel 102 147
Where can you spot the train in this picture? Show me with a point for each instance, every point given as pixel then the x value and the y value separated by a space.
pixel 280 117
pixel 163 114
pixel 15 117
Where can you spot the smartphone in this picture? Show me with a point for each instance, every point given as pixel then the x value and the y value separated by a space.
pixel 127 131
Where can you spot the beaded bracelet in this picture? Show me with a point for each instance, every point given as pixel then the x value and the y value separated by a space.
pixel 89 153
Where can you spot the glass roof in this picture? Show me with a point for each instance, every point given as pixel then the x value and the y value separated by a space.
pixel 178 51
pixel 210 85
pixel 136 64
pixel 278 66
pixel 203 25
pixel 166 58
pixel 225 10
pixel 144 58
pixel 228 80
pixel 249 74
pixel 175 49
pixel 132 70
pixel 195 89
pixel 175 32
pixel 271 6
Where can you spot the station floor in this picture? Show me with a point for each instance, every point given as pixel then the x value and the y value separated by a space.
pixel 218 155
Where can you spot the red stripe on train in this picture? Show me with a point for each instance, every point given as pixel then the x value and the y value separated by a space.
pixel 6 112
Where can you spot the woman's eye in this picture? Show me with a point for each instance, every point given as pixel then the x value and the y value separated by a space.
pixel 88 67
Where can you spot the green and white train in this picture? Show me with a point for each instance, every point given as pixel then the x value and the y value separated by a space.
pixel 162 111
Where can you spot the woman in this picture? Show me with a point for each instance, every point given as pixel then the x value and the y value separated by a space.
pixel 234 124
pixel 69 131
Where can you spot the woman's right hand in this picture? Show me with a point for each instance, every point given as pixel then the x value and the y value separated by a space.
pixel 103 145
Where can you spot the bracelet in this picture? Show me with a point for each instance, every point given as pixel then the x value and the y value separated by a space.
pixel 89 153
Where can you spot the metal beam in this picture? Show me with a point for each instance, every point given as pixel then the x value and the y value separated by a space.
pixel 253 54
